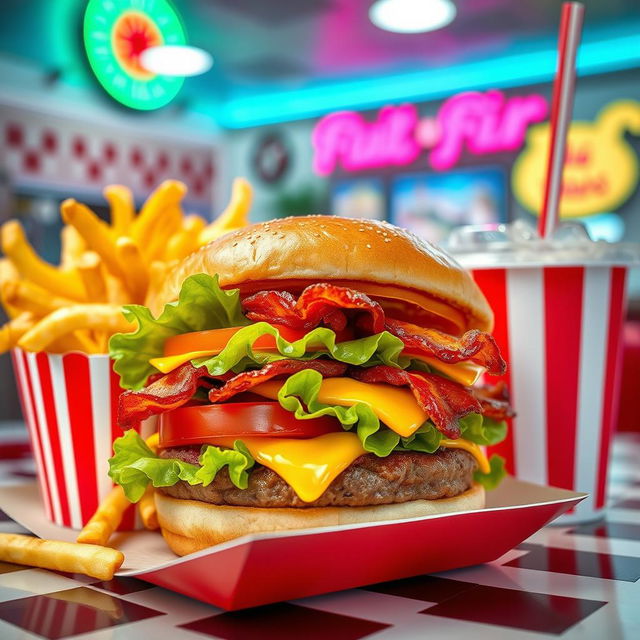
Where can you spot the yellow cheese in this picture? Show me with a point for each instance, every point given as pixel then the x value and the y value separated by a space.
pixel 395 406
pixel 474 449
pixel 169 363
pixel 308 466
pixel 465 373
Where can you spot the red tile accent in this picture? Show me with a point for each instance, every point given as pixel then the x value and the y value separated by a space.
pixel 578 563
pixel 49 141
pixel 425 588
pixel 186 166
pixel 136 157
pixel 163 161
pixel 123 586
pixel 198 186
pixel 94 171
pixel 149 179
pixel 31 162
pixel 14 135
pixel 68 613
pixel 109 152
pixel 516 609
pixel 284 621
pixel 78 147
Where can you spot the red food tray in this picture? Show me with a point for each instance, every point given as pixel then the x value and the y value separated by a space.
pixel 260 569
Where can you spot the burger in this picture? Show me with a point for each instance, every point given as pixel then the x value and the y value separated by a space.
pixel 308 372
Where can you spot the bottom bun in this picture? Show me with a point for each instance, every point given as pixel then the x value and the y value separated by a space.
pixel 191 525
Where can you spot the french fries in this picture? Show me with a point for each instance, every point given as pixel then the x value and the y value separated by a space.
pixel 106 519
pixel 95 561
pixel 100 317
pixel 235 216
pixel 147 508
pixel 76 306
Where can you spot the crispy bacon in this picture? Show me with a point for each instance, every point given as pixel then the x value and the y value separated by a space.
pixel 168 392
pixel 249 379
pixel 444 400
pixel 494 400
pixel 318 304
pixel 475 346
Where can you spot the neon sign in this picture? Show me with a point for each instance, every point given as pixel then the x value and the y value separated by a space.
pixel 481 123
pixel 601 167
pixel 116 32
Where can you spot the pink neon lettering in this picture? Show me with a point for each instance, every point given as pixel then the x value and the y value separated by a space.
pixel 485 122
pixel 346 139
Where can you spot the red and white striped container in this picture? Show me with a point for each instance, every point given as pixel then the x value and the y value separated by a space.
pixel 559 329
pixel 69 403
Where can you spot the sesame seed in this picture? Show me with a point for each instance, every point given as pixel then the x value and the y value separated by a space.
pixel 368 246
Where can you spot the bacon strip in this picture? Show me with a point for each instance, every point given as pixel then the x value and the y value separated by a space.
pixel 494 400
pixel 168 392
pixel 444 400
pixel 476 346
pixel 325 304
pixel 318 303
pixel 249 379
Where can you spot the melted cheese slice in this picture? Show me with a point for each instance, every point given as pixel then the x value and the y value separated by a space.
pixel 308 466
pixel 395 406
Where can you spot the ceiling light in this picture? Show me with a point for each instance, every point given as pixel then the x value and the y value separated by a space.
pixel 176 60
pixel 412 16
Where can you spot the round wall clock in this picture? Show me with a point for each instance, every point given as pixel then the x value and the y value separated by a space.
pixel 116 32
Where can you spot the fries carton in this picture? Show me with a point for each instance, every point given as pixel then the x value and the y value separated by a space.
pixel 69 403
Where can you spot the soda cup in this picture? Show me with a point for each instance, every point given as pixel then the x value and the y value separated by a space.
pixel 559 308
pixel 69 403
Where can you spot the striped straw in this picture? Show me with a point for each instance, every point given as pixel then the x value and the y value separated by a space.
pixel 561 110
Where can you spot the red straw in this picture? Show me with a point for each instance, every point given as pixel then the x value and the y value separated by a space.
pixel 561 111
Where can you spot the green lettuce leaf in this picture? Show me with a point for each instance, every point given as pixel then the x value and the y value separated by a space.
pixel 201 304
pixel 134 466
pixel 492 479
pixel 381 348
pixel 482 430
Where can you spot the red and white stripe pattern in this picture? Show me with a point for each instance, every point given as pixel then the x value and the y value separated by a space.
pixel 559 328
pixel 69 404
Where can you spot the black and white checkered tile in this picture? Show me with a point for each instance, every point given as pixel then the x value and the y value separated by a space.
pixel 575 582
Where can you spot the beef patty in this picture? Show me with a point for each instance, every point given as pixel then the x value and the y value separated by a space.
pixel 369 480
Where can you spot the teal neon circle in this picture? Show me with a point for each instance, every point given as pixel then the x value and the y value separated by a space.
pixel 143 94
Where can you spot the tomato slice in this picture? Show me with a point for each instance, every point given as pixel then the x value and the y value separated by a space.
pixel 203 424
pixel 216 340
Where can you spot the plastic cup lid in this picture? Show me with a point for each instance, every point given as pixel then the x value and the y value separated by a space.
pixel 518 245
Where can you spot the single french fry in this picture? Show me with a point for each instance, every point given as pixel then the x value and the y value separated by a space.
pixel 165 226
pixel 96 561
pixel 90 269
pixel 13 330
pixel 63 282
pixel 106 519
pixel 168 193
pixel 30 297
pixel 117 293
pixel 95 233
pixel 76 341
pixel 120 200
pixel 235 216
pixel 137 272
pixel 185 242
pixel 72 246
pixel 147 508
pixel 101 317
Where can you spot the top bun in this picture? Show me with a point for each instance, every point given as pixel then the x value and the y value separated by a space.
pixel 327 248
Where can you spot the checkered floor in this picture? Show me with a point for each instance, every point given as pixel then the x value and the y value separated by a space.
pixel 577 582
